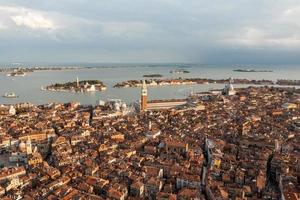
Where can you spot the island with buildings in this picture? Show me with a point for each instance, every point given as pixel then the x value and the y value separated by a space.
pixel 188 81
pixel 152 76
pixel 234 143
pixel 77 86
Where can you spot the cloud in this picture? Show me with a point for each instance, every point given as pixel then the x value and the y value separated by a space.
pixel 291 12
pixel 257 39
pixel 279 31
pixel 28 18
pixel 194 30
pixel 33 20
pixel 2 27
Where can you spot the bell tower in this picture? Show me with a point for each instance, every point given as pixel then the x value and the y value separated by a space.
pixel 144 97
pixel 28 146
pixel 77 82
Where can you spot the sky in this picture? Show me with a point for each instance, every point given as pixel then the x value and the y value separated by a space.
pixel 129 31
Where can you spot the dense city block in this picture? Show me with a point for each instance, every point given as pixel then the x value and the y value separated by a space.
pixel 241 144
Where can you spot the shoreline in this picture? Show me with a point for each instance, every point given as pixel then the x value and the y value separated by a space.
pixel 188 81
pixel 35 69
pixel 202 81
pixel 296 90
pixel 17 101
pixel 70 91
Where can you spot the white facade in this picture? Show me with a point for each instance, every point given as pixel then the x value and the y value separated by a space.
pixel 12 110
pixel 91 89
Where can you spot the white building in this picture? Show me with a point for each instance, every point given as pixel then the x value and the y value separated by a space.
pixel 92 88
pixel 229 89
pixel 28 147
pixel 12 110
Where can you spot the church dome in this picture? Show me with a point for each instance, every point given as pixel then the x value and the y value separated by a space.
pixel 123 106
pixel 22 147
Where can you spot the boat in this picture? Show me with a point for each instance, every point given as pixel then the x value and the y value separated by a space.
pixel 10 95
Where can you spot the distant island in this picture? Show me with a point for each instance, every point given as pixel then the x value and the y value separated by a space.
pixel 16 70
pixel 152 75
pixel 77 86
pixel 10 95
pixel 251 70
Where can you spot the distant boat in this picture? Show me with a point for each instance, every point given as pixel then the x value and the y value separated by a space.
pixel 179 71
pixel 10 95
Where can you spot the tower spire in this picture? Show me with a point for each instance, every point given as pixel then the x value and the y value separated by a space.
pixel 144 96
pixel 77 81
pixel 28 146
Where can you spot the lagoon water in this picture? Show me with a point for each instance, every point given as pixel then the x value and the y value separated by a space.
pixel 29 87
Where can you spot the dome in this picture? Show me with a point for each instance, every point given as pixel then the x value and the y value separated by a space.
pixel 117 106
pixel 22 147
pixel 123 105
